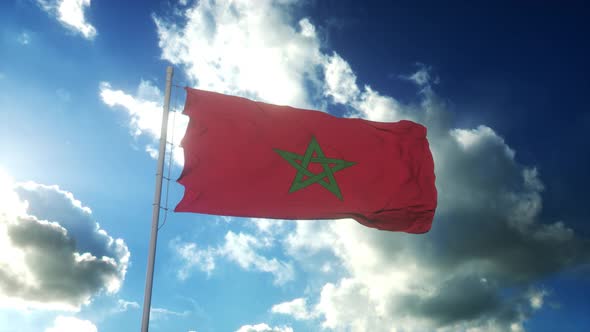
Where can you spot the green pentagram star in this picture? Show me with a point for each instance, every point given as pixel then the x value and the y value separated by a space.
pixel 305 177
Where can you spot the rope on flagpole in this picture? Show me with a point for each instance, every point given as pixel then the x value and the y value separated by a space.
pixel 170 159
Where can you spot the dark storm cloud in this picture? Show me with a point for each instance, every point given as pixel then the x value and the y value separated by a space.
pixel 66 257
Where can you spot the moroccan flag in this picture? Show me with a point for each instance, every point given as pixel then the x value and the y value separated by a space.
pixel 251 159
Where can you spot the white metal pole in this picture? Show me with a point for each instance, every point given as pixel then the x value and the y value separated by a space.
pixel 149 278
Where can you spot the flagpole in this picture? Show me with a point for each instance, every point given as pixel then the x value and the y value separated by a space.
pixel 149 278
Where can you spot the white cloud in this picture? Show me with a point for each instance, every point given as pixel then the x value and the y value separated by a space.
pixel 145 115
pixel 162 313
pixel 340 81
pixel 296 308
pixel 262 327
pixel 422 77
pixel 225 219
pixel 349 305
pixel 241 249
pixel 24 38
pixel 192 257
pixel 71 324
pixel 536 299
pixel 372 105
pixel 244 48
pixel 152 151
pixel 53 255
pixel 269 226
pixel 123 305
pixel 309 237
pixel 70 13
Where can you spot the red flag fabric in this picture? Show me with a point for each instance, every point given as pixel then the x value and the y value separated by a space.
pixel 251 159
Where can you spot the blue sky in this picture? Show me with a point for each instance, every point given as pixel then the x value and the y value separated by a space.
pixel 501 87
